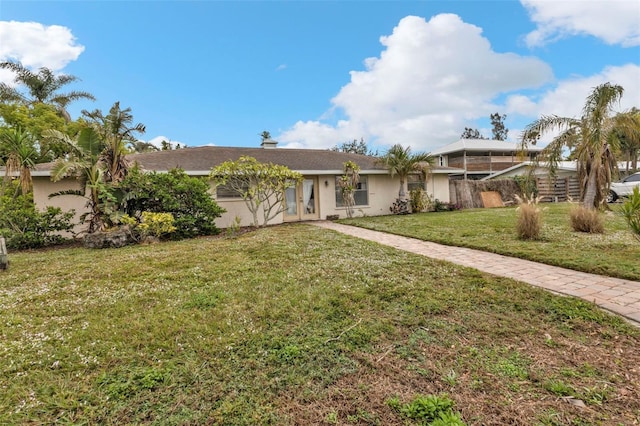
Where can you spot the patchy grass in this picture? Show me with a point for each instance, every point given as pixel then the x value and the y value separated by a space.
pixel 614 253
pixel 298 325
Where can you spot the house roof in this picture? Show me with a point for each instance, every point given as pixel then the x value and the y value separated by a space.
pixel 200 160
pixel 567 166
pixel 570 166
pixel 481 145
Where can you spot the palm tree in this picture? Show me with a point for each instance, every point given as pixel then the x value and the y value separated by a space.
pixel 591 139
pixel 116 132
pixel 628 134
pixel 42 87
pixel 20 155
pixel 84 164
pixel 400 161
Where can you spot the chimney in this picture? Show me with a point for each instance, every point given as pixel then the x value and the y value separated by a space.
pixel 268 144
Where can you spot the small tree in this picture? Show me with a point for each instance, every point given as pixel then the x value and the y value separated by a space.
pixel 355 147
pixel 470 133
pixel 348 184
pixel 262 186
pixel 499 130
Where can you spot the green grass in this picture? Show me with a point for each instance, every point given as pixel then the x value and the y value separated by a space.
pixel 615 253
pixel 294 325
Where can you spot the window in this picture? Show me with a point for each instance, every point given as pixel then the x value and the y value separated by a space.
pixel 633 178
pixel 415 182
pixel 361 195
pixel 227 191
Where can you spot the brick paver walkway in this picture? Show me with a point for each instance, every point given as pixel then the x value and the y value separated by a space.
pixel 613 294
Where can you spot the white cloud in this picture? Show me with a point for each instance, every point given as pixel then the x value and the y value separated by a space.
pixel 430 80
pixel 567 98
pixel 614 21
pixel 281 67
pixel 36 45
pixel 157 142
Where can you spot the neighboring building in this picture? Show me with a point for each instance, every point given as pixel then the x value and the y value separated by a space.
pixel 561 187
pixel 479 158
pixel 315 198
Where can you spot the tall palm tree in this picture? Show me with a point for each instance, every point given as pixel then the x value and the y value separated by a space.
pixel 400 161
pixel 116 132
pixel 591 139
pixel 20 155
pixel 42 87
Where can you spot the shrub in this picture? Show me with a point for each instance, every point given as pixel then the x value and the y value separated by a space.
pixel 586 220
pixel 631 212
pixel 23 226
pixel 527 184
pixel 420 200
pixel 156 224
pixel 186 198
pixel 529 225
pixel 440 206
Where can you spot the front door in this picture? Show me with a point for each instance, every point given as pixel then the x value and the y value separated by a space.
pixel 302 201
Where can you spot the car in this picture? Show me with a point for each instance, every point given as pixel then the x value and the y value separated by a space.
pixel 624 188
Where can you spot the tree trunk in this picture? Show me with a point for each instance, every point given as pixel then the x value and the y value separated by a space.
pixel 4 257
pixel 401 194
pixel 590 191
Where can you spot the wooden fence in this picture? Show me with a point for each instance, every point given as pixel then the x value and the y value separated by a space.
pixel 558 189
pixel 467 193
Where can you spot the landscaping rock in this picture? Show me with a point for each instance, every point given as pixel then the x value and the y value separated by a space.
pixel 115 238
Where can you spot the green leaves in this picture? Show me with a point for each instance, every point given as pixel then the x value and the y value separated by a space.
pixel 261 185
pixel 631 212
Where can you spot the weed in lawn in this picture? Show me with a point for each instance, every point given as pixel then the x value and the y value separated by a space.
pixel 509 364
pixel 559 388
pixel 430 409
pixel 451 378
pixel 203 301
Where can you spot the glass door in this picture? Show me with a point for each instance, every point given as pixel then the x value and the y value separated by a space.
pixel 302 201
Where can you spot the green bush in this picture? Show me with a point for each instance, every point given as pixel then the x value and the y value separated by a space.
pixel 23 226
pixel 186 198
pixel 528 186
pixel 631 212
pixel 420 200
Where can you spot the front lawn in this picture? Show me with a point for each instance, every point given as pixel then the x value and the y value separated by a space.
pixel 298 325
pixel 615 253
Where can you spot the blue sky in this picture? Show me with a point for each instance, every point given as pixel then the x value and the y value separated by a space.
pixel 318 73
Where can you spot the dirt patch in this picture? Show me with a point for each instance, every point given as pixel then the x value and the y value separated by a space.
pixel 515 381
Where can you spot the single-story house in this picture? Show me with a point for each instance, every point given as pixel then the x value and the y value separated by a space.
pixel 479 158
pixel 316 197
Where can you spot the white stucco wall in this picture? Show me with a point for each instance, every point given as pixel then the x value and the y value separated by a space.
pixel 382 192
pixel 43 187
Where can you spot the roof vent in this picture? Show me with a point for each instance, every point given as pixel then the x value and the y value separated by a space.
pixel 268 143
